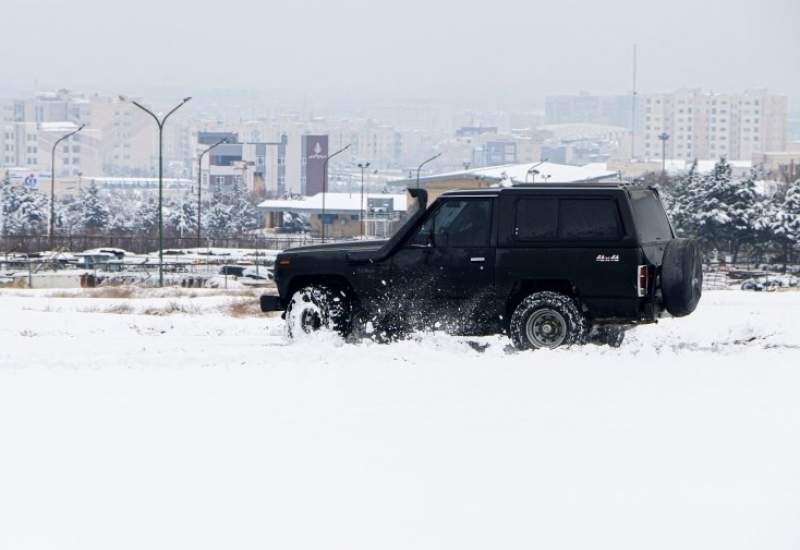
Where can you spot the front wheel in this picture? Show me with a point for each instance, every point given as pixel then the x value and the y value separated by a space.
pixel 547 320
pixel 315 308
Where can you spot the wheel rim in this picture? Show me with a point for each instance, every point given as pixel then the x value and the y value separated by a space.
pixel 546 328
pixel 310 321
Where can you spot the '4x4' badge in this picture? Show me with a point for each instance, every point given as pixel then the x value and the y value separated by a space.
pixel 607 258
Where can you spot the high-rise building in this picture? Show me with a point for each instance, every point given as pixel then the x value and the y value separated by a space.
pixel 609 110
pixel 495 153
pixel 705 126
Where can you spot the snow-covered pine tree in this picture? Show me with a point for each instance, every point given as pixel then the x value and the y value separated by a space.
pixel 145 218
pixel 69 216
pixel 95 213
pixel 243 213
pixel 713 215
pixel 31 212
pixel 217 219
pixel 765 214
pixel 121 207
pixel 683 201
pixel 745 210
pixel 8 204
pixel 182 218
pixel 786 226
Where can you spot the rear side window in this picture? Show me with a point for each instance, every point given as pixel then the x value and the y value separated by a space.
pixel 648 213
pixel 536 219
pixel 588 219
pixel 552 218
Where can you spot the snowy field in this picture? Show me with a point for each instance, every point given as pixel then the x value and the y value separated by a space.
pixel 181 420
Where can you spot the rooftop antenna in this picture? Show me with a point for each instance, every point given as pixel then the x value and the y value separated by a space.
pixel 633 108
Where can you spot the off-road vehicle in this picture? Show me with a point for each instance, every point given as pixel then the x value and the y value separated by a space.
pixel 549 265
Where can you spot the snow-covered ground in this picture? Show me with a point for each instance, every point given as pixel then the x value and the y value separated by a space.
pixel 177 419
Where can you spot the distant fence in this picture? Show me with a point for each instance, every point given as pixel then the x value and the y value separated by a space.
pixel 754 276
pixel 28 244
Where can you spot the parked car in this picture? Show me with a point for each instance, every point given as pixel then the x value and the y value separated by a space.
pixel 263 273
pixel 550 265
pixel 232 270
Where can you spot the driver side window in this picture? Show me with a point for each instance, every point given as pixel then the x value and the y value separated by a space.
pixel 457 223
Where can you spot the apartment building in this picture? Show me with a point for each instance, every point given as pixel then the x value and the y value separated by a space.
pixel 29 145
pixel 705 125
pixel 260 165
pixel 119 139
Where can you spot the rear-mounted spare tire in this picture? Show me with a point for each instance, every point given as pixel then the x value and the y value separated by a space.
pixel 682 276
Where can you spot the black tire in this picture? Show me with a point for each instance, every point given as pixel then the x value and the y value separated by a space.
pixel 608 335
pixel 682 276
pixel 547 320
pixel 318 307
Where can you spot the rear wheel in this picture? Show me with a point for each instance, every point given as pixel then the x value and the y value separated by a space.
pixel 316 308
pixel 547 320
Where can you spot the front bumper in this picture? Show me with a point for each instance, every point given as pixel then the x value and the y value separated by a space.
pixel 270 302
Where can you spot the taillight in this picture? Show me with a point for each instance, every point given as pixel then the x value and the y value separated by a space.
pixel 643 280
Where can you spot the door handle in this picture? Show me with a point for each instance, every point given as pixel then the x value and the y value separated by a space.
pixel 477 259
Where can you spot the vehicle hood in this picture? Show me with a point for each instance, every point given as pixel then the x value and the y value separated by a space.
pixel 349 246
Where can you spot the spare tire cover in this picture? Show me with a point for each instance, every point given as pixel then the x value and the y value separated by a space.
pixel 682 276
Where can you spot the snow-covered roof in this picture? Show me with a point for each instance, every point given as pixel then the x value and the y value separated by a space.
pixel 58 126
pixel 550 171
pixel 580 130
pixel 334 202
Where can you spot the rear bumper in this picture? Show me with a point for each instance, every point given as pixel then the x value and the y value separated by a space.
pixel 270 302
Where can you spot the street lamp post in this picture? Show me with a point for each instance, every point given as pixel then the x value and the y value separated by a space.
pixel 532 171
pixel 325 183
pixel 663 136
pixel 160 123
pixel 363 166
pixel 419 168
pixel 52 224
pixel 200 185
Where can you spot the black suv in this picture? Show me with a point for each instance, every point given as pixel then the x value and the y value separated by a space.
pixel 549 265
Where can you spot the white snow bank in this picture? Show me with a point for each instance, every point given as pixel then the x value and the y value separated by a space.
pixel 202 431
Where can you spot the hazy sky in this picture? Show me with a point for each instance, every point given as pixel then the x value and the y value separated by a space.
pixel 498 49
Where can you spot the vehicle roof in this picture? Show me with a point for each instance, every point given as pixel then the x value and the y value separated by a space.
pixel 613 186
